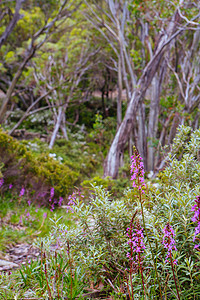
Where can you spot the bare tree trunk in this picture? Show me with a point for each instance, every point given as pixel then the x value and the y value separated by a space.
pixel 13 84
pixel 119 96
pixel 32 48
pixel 196 120
pixel 175 124
pixel 112 161
pixel 141 135
pixel 56 128
pixel 26 114
pixel 12 23
pixel 63 127
pixel 153 115
pixel 162 138
pixel 130 145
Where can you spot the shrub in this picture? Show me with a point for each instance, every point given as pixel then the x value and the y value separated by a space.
pixel 99 242
pixel 36 172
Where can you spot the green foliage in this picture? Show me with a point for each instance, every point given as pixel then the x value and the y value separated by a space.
pixel 99 242
pixel 103 132
pixel 114 186
pixel 35 172
pixel 52 276
pixel 95 249
pixel 184 163
pixel 21 220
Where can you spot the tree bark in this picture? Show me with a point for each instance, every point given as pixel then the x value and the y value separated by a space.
pixel 56 128
pixel 63 126
pixel 112 161
pixel 141 133
pixel 12 23
pixel 119 96
pixel 13 84
pixel 153 115
pixel 32 48
pixel 26 114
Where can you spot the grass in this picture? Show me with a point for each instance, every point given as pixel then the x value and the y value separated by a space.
pixel 23 222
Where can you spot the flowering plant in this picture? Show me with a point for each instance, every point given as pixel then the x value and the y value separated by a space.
pixel 196 218
pixel 169 241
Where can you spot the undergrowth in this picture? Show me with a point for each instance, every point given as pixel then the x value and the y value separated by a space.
pixel 143 245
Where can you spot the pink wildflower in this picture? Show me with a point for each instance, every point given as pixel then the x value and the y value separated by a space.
pixel 135 242
pixel 169 241
pixel 60 201
pixel 72 199
pixel 52 192
pixel 1 182
pixel 137 171
pixel 196 218
pixel 22 192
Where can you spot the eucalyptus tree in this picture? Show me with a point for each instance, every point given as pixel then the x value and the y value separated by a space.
pixel 142 35
pixel 68 68
pixel 5 11
pixel 59 72
pixel 31 32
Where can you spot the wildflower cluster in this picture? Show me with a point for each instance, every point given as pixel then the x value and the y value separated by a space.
pixel 169 242
pixel 196 218
pixel 137 171
pixel 21 194
pixel 54 201
pixel 1 182
pixel 135 242
pixel 51 194
pixel 137 247
pixel 71 202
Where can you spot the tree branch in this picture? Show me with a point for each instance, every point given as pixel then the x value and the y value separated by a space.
pixel 12 23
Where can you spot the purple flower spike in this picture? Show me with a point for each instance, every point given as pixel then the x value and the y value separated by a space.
pixel 10 186
pixel 1 182
pixel 22 192
pixel 72 199
pixel 52 192
pixel 136 242
pixel 60 201
pixel 169 241
pixel 196 218
pixel 137 171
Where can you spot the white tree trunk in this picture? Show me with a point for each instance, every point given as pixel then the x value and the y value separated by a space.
pixel 63 126
pixel 56 128
pixel 119 96
pixel 112 161
pixel 141 135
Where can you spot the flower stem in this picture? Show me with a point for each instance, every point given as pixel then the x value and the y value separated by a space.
pixel 141 272
pixel 70 266
pixel 144 225
pixel 131 262
pixel 174 277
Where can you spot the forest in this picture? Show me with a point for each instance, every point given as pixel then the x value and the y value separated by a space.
pixel 100 149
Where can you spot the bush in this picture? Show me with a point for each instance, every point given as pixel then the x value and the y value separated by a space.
pixel 100 244
pixel 36 172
